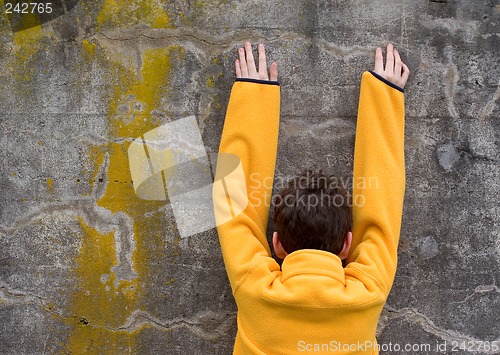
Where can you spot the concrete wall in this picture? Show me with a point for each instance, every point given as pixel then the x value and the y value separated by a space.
pixel 85 265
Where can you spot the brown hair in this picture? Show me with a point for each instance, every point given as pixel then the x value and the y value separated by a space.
pixel 313 211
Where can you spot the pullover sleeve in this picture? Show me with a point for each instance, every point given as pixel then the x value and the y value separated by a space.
pixel 250 135
pixel 378 181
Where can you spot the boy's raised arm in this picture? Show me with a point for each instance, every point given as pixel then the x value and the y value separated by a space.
pixel 379 170
pixel 242 199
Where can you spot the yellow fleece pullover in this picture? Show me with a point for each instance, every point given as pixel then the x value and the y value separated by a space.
pixel 311 304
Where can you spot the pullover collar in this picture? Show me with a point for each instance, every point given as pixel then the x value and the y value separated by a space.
pixel 312 261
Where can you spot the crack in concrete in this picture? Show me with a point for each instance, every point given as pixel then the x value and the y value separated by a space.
pixel 17 297
pixel 451 80
pixel 481 289
pixel 177 33
pixel 12 296
pixel 337 51
pixel 100 218
pixel 98 139
pixel 201 324
pixel 425 323
pixel 230 40
pixel 207 325
pixel 490 106
pixel 474 156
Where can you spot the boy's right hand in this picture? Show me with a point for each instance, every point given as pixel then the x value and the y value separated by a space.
pixel 395 70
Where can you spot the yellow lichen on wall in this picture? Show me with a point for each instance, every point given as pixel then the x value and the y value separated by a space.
pixel 98 302
pixel 128 13
pixel 50 184
pixel 26 44
pixel 106 302
pixel 89 49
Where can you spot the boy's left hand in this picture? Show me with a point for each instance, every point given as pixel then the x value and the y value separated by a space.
pixel 395 70
pixel 245 65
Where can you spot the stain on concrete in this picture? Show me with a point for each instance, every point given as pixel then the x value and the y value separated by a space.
pixel 448 156
pixel 427 247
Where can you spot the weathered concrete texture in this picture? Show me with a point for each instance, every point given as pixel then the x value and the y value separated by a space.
pixel 87 266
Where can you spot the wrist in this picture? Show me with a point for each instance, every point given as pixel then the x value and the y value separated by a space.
pixel 258 81
pixel 391 84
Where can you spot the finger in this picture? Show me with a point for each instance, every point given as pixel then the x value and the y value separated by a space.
pixel 397 63
pixel 389 63
pixel 238 68
pixel 379 61
pixel 262 63
pixel 274 72
pixel 405 75
pixel 243 63
pixel 252 72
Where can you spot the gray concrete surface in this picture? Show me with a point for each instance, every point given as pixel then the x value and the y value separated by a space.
pixel 86 266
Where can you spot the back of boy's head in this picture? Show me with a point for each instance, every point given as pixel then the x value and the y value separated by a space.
pixel 313 211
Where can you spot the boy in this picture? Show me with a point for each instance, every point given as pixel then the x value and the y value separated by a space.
pixel 311 303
